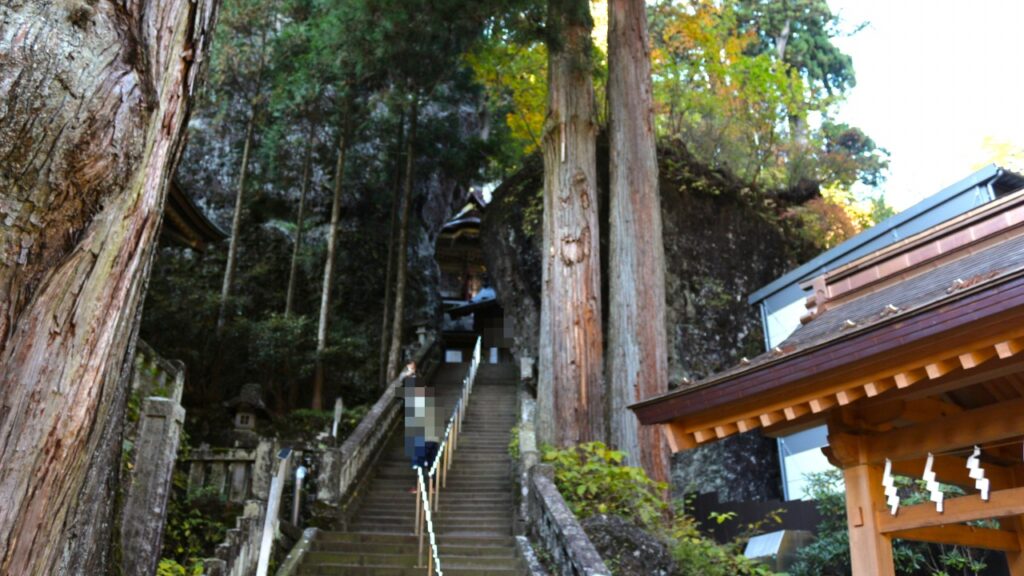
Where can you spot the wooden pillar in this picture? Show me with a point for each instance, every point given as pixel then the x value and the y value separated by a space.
pixel 870 551
pixel 1015 560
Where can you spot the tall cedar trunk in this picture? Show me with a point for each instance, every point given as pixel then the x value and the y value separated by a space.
pixel 293 271
pixel 637 346
pixel 570 399
pixel 332 245
pixel 401 274
pixel 243 171
pixel 96 96
pixel 386 316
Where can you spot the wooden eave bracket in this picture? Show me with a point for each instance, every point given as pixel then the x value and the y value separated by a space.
pixel 683 436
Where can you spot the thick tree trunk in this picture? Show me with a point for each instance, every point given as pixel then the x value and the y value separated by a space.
pixel 293 271
pixel 570 399
pixel 243 171
pixel 401 274
pixel 95 100
pixel 386 316
pixel 332 244
pixel 637 341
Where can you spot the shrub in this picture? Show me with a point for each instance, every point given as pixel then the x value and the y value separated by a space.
pixel 593 480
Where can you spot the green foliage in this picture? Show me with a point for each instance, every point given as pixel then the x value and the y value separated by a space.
pixel 697 555
pixel 196 523
pixel 724 84
pixel 305 425
pixel 829 554
pixel 168 567
pixel 593 480
pixel 513 443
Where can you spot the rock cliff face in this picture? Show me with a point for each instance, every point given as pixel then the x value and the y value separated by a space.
pixel 722 242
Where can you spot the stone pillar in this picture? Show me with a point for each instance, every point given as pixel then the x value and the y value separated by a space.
pixel 156 447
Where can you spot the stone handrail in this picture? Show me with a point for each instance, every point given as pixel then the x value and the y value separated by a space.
pixel 293 561
pixel 239 553
pixel 343 470
pixel 236 474
pixel 554 524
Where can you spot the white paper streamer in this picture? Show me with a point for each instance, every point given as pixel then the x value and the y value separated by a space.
pixel 892 497
pixel 978 473
pixel 932 484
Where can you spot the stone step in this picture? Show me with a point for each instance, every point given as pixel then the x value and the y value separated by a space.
pixel 393 528
pixel 478 547
pixel 410 558
pixel 452 570
pixel 356 536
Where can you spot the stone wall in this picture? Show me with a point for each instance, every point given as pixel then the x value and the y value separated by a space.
pixel 554 525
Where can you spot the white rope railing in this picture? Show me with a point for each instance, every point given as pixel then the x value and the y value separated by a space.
pixel 424 520
pixel 428 488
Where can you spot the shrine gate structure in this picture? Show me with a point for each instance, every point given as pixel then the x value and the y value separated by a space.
pixel 913 356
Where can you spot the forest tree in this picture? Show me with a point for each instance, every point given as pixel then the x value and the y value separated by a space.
pixel 570 391
pixel 96 97
pixel 637 341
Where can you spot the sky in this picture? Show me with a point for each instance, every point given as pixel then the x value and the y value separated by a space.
pixel 934 79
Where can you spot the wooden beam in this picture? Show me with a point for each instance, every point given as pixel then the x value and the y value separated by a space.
pixel 870 550
pixel 1009 348
pixel 702 436
pixel 875 388
pixel 963 535
pixel 725 430
pixel 748 424
pixel 1015 559
pixel 976 358
pixel 845 397
pixel 908 378
pixel 1002 503
pixel 939 369
pixel 677 437
pixel 794 412
pixel 821 404
pixel 771 418
pixel 925 409
pixel 993 423
pixel 952 470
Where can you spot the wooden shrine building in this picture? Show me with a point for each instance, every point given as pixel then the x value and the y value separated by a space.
pixel 912 355
pixel 185 224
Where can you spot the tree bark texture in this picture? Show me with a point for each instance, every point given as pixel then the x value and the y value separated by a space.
pixel 401 274
pixel 637 352
pixel 570 399
pixel 386 316
pixel 94 99
pixel 332 245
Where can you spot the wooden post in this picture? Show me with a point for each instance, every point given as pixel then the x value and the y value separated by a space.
pixel 1015 560
pixel 870 551
pixel 419 507
pixel 422 515
pixel 434 489
pixel 444 466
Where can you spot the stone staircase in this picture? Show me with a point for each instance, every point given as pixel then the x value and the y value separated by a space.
pixel 475 510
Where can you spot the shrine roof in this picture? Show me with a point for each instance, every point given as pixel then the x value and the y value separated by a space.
pixel 924 274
